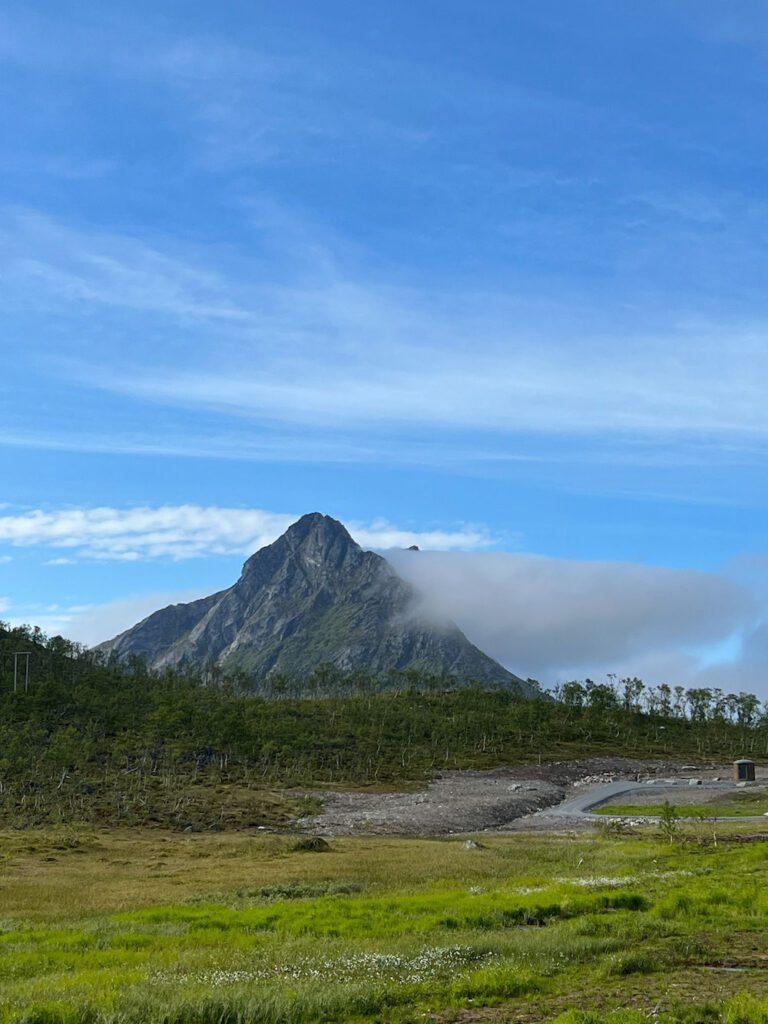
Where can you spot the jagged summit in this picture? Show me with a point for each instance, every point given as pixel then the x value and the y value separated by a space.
pixel 315 525
pixel 314 530
pixel 312 596
pixel 319 542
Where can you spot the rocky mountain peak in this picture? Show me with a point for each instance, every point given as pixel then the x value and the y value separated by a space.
pixel 312 596
pixel 316 527
pixel 317 545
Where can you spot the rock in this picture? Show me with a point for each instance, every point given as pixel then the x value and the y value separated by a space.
pixel 311 844
pixel 694 782
pixel 311 598
pixel 470 844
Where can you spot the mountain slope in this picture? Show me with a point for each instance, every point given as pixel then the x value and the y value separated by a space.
pixel 312 596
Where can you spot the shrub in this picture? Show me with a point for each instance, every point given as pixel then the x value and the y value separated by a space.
pixel 311 844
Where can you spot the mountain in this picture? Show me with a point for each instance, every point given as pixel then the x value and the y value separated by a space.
pixel 312 596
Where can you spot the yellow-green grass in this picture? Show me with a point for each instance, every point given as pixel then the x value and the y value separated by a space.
pixel 148 927
pixel 685 810
pixel 728 804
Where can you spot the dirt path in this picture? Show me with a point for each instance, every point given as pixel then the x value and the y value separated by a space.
pixel 476 801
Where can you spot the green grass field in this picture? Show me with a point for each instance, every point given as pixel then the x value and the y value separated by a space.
pixel 730 804
pixel 142 928
pixel 685 810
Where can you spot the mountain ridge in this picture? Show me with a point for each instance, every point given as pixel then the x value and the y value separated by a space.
pixel 312 596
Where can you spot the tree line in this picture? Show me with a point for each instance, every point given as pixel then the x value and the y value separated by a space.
pixel 96 739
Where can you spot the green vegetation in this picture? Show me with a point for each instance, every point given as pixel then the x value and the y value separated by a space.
pixel 143 928
pixel 106 743
pixel 132 926
pixel 685 810
pixel 668 821
pixel 729 804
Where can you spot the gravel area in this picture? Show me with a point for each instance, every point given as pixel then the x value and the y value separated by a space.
pixel 475 801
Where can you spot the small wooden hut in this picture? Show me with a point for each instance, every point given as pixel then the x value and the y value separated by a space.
pixel 744 770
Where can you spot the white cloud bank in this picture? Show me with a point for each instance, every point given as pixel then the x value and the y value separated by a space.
pixel 555 619
pixel 552 619
pixel 192 531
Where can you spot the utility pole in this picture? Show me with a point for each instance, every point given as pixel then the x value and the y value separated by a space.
pixel 16 656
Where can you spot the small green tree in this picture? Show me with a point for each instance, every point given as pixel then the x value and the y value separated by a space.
pixel 708 820
pixel 669 821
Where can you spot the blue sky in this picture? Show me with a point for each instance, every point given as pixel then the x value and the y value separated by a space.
pixel 486 277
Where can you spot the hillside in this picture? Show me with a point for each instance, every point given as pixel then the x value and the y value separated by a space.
pixel 115 744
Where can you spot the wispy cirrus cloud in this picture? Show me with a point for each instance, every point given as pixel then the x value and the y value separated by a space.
pixel 659 387
pixel 77 269
pixel 286 349
pixel 194 531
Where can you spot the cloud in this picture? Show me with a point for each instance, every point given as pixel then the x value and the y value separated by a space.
pixel 53 621
pixel 4 559
pixel 291 322
pixel 549 618
pixel 287 447
pixel 99 622
pixel 243 106
pixel 70 268
pixel 510 382
pixel 746 668
pixel 554 619
pixel 383 535
pixel 192 531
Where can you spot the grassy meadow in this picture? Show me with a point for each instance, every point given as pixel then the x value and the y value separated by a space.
pixel 140 927
pixel 708 810
pixel 741 803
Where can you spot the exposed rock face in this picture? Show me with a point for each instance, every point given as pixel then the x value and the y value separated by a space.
pixel 313 596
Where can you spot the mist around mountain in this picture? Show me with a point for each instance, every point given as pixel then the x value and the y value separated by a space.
pixel 313 597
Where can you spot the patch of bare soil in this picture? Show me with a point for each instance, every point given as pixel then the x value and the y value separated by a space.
pixel 474 801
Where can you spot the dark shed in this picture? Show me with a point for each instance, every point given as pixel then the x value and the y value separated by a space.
pixel 744 770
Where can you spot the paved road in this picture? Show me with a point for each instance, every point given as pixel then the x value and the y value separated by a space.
pixel 580 806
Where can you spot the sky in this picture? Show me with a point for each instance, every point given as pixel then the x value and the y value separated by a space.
pixel 484 277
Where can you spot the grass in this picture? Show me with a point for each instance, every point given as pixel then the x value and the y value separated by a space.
pixel 684 810
pixel 199 800
pixel 101 927
pixel 729 804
